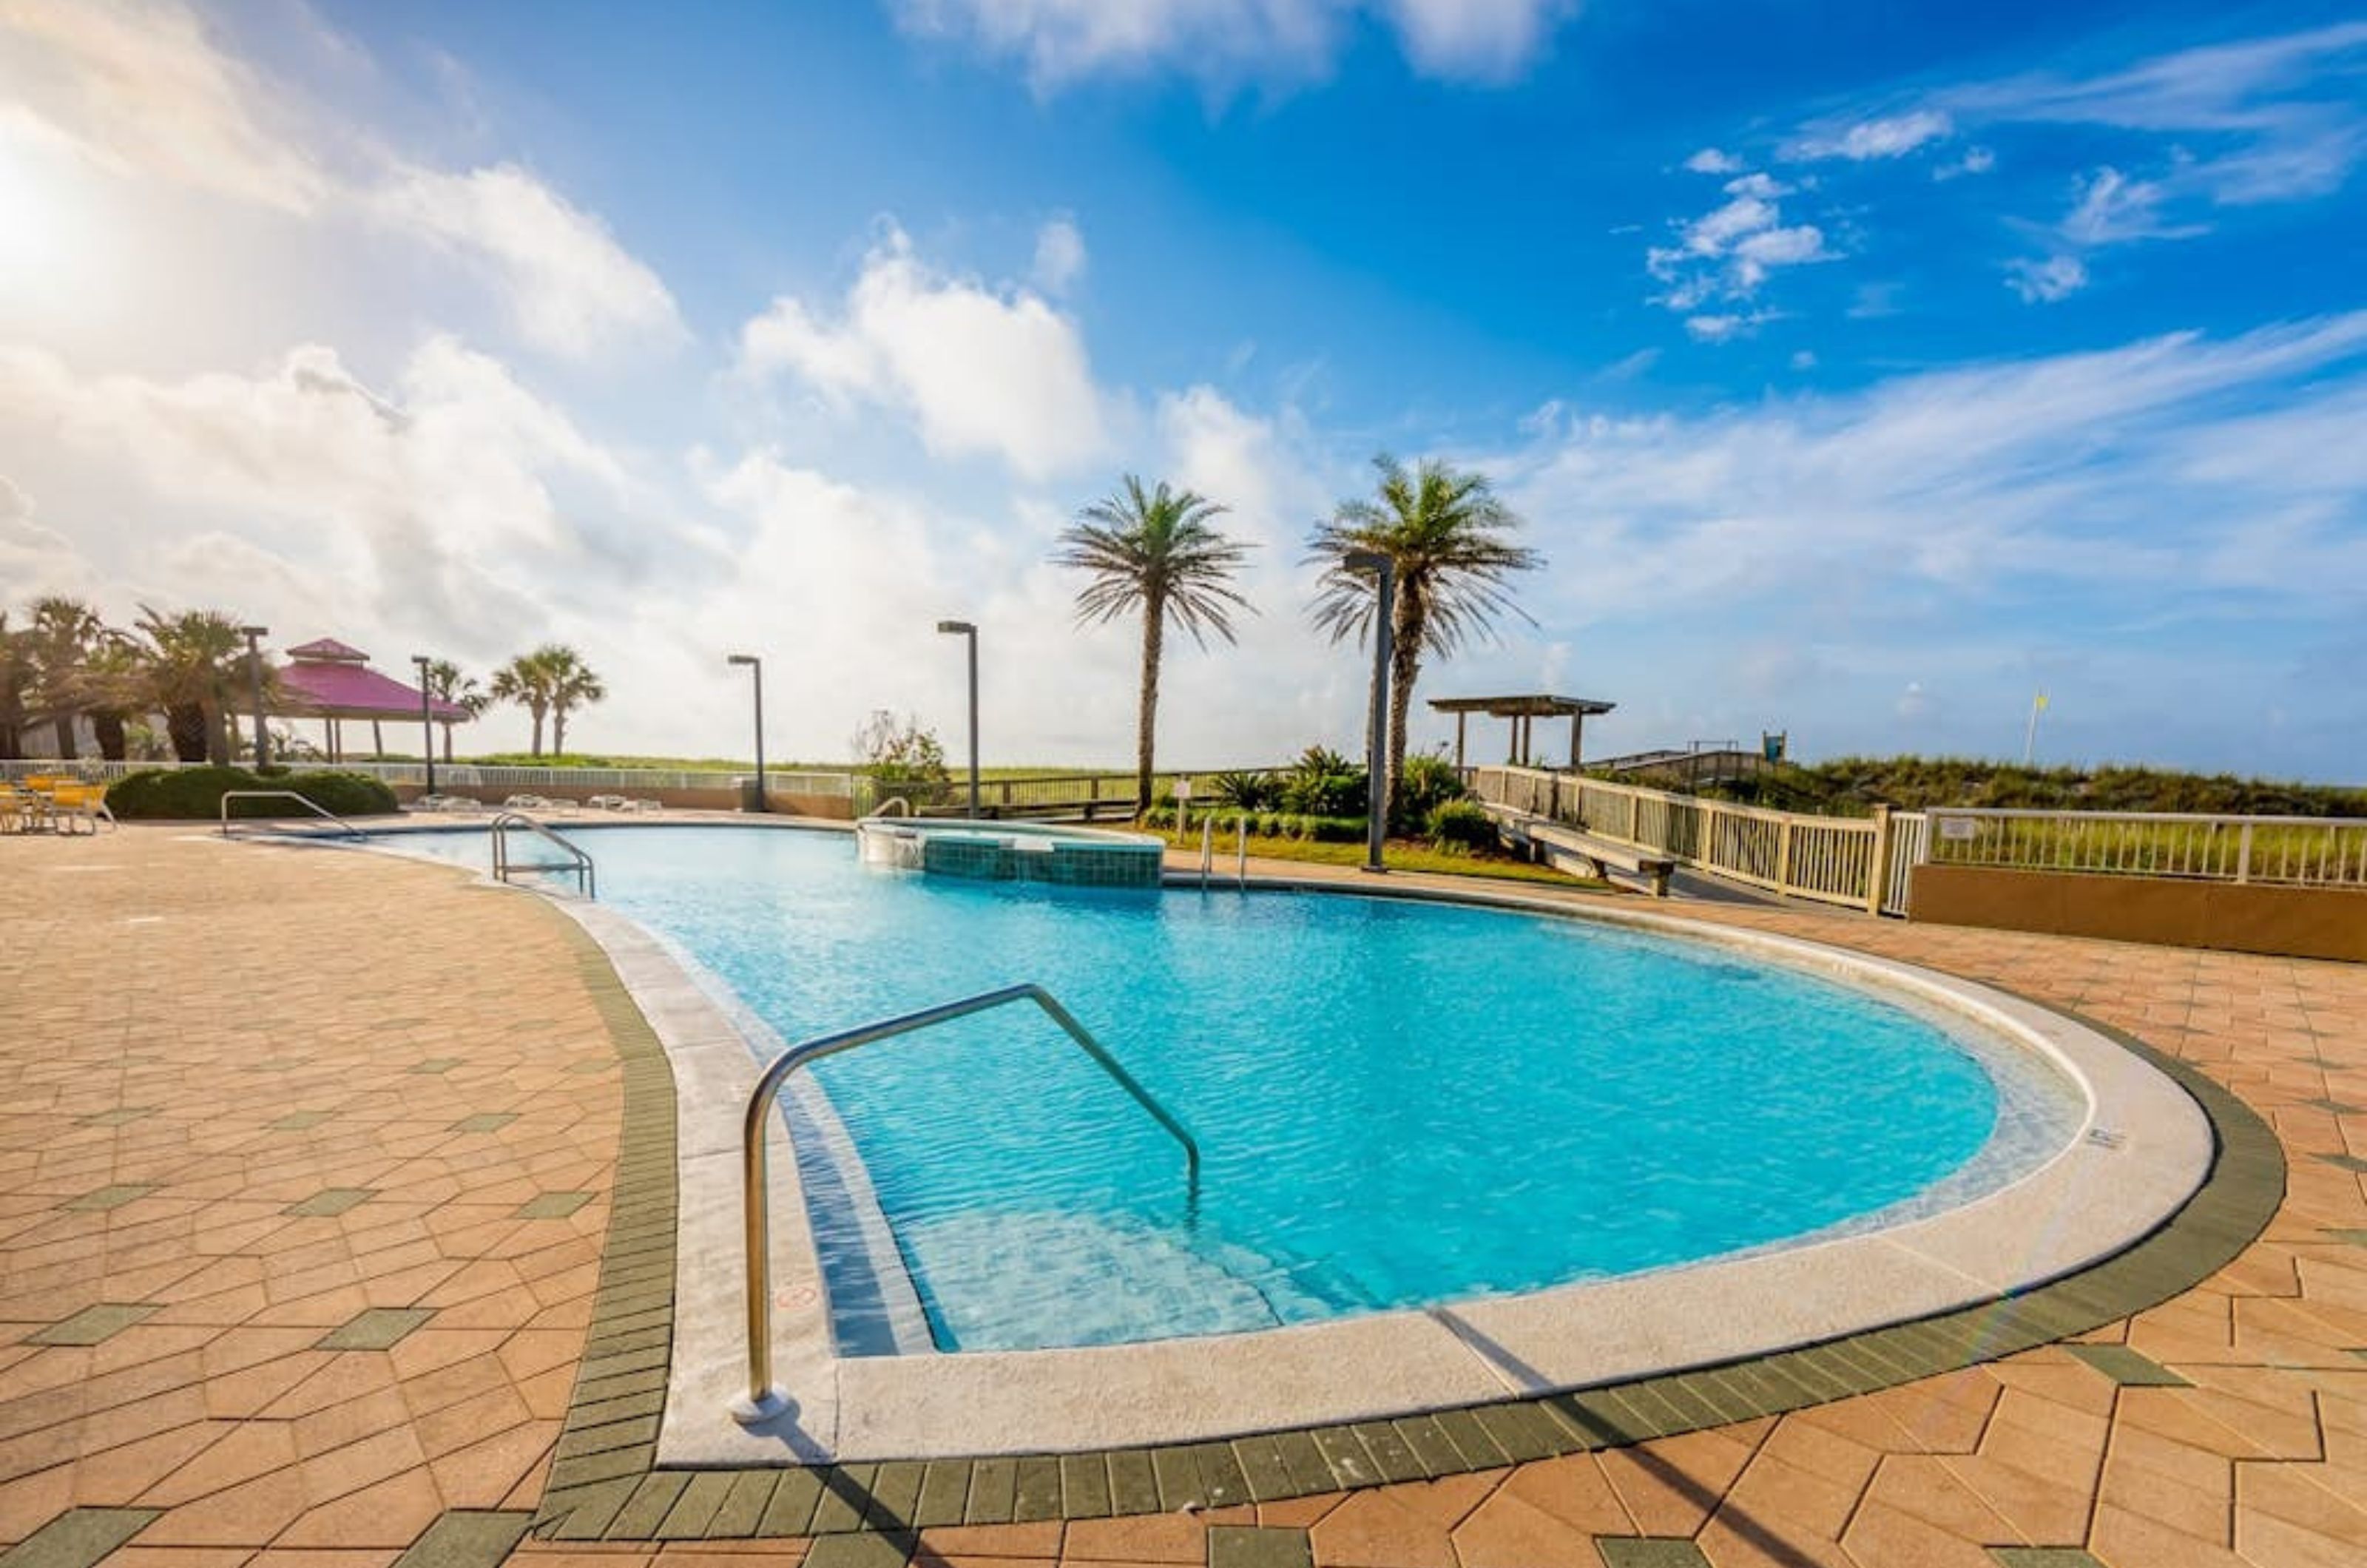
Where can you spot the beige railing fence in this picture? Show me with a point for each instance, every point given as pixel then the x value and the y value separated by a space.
pixel 1831 860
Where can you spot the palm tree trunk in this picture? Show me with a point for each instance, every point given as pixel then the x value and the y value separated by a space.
pixel 539 710
pixel 66 748
pixel 185 725
pixel 217 734
pixel 559 729
pixel 447 743
pixel 1146 726
pixel 108 729
pixel 1407 626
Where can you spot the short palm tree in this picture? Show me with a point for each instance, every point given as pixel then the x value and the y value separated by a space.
pixel 1155 551
pixel 16 686
pixel 446 684
pixel 550 683
pixel 188 667
pixel 1444 532
pixel 65 638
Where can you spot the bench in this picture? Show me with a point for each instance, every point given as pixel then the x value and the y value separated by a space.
pixel 1548 840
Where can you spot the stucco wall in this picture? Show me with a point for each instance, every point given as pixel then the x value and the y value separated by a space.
pixel 2298 922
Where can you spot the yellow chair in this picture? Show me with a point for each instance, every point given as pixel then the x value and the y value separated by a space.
pixel 73 801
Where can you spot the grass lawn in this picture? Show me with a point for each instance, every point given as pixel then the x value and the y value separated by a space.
pixel 1400 854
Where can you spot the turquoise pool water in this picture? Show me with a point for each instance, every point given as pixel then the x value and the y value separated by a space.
pixel 1398 1104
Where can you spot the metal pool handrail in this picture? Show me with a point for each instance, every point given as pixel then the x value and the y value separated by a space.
pixel 765 1400
pixel 315 807
pixel 881 810
pixel 587 875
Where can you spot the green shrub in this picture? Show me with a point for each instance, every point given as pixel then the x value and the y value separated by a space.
pixel 1323 783
pixel 1334 829
pixel 1246 791
pixel 1461 823
pixel 195 793
pixel 1427 783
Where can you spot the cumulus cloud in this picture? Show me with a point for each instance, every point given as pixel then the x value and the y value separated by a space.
pixel 1710 161
pixel 1224 42
pixel 980 369
pixel 1727 253
pixel 570 288
pixel 439 505
pixel 2046 280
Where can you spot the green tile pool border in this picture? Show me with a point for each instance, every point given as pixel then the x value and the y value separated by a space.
pixel 604 1483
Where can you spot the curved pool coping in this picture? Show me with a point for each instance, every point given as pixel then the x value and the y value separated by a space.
pixel 1394 1395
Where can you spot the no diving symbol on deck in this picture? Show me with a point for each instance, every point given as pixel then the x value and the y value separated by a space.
pixel 796 1296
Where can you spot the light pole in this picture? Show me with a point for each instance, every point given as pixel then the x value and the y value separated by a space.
pixel 964 628
pixel 757 665
pixel 426 720
pixel 1376 825
pixel 254 636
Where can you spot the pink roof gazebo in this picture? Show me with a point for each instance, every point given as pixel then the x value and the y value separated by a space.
pixel 333 681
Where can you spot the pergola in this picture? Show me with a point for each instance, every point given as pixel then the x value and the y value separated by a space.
pixel 1523 712
pixel 332 682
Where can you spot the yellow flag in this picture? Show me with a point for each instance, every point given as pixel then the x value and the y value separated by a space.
pixel 2040 702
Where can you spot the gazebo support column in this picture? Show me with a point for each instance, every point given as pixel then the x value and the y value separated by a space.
pixel 378 740
pixel 1576 727
pixel 1459 717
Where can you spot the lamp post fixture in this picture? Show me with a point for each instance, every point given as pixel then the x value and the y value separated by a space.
pixel 426 719
pixel 964 628
pixel 757 666
pixel 1376 824
pixel 254 636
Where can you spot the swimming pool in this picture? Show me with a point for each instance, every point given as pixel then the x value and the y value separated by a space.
pixel 1400 1104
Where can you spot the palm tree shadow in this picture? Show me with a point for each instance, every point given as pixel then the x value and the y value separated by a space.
pixel 1610 1435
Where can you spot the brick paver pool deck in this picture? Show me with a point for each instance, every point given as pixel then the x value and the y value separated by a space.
pixel 306 1163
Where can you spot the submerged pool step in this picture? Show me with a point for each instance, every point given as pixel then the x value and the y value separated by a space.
pixel 997 1281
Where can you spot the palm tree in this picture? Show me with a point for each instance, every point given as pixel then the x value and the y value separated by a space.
pixel 65 638
pixel 573 685
pixel 550 683
pixel 446 684
pixel 189 666
pixel 16 681
pixel 1445 531
pixel 1155 551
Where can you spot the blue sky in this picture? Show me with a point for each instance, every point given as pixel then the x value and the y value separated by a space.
pixel 1859 368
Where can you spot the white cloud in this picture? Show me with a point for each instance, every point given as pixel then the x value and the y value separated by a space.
pixel 445 505
pixel 1710 161
pixel 1224 42
pixel 2113 208
pixel 2263 120
pixel 980 370
pixel 1059 256
pixel 570 288
pixel 1975 161
pixel 2046 280
pixel 139 91
pixel 1727 253
pixel 1885 136
pixel 1477 40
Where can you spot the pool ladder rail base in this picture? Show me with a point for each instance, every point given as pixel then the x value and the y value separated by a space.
pixel 578 861
pixel 766 1399
pixel 306 801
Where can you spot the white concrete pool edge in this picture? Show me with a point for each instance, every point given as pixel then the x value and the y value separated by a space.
pixel 2094 1199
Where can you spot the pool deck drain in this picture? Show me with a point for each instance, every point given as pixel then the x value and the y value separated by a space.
pixel 210 1433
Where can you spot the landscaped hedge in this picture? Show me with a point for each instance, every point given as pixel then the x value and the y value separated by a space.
pixel 169 793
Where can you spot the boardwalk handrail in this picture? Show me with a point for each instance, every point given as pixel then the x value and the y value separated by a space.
pixel 765 1400
pixel 587 875
pixel 314 807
